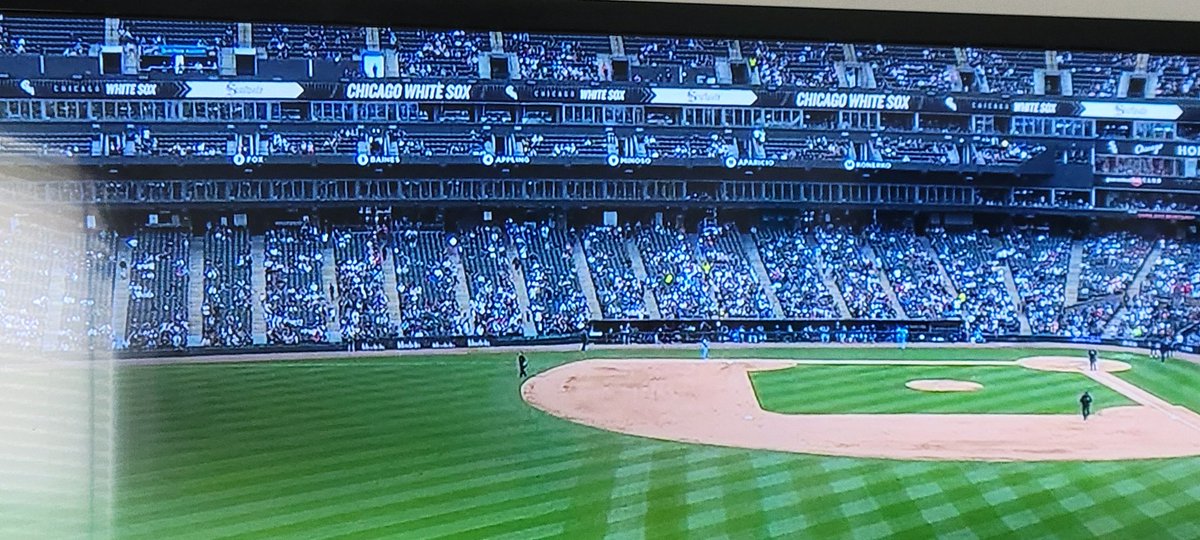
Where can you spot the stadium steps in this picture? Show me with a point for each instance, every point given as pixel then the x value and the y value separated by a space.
pixel 517 275
pixel 693 248
pixel 1010 285
pixel 56 291
pixel 1135 288
pixel 391 287
pixel 585 280
pixel 869 253
pixel 937 261
pixel 462 293
pixel 258 282
pixel 827 278
pixel 760 270
pixel 333 325
pixel 120 312
pixel 1073 270
pixel 195 291
pixel 639 271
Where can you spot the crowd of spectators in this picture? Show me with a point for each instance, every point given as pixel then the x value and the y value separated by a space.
pixel 436 53
pixel 228 296
pixel 488 261
pixel 912 149
pixel 295 305
pixel 808 65
pixel 426 280
pixel 994 151
pixel 557 57
pixel 843 253
pixel 1110 263
pixel 677 277
pixel 25 263
pixel 620 293
pixel 727 271
pixel 1169 299
pixel 361 298
pixel 556 300
pixel 89 268
pixel 973 261
pixel 792 261
pixel 899 67
pixel 1040 261
pixel 912 271
pixel 158 290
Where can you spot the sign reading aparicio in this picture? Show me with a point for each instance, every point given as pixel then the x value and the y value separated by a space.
pixel 854 100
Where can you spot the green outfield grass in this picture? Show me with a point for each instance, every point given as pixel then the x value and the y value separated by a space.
pixel 880 389
pixel 443 447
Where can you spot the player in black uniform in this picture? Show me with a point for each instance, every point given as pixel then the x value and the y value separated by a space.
pixel 583 340
pixel 522 365
pixel 1092 359
pixel 1085 403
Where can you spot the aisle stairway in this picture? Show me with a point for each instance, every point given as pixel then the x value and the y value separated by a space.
pixel 120 313
pixel 258 284
pixel 517 275
pixel 462 293
pixel 1073 270
pixel 1135 288
pixel 333 325
pixel 1011 286
pixel 639 271
pixel 946 281
pixel 391 288
pixel 585 280
pixel 830 283
pixel 760 271
pixel 195 291
pixel 52 335
pixel 869 253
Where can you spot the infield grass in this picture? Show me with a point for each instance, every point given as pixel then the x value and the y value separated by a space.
pixel 443 447
pixel 880 389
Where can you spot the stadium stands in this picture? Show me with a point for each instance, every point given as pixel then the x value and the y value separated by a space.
pixel 677 278
pixel 425 280
pixel 361 299
pixel 158 285
pixel 791 259
pixel 494 309
pixel 855 273
pixel 227 287
pixel 620 292
pixel 294 302
pixel 555 296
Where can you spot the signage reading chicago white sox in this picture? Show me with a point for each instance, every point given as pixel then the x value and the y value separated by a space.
pixel 849 100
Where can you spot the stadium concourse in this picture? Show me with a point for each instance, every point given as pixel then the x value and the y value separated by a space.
pixel 378 282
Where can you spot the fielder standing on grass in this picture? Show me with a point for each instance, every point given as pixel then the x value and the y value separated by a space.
pixel 902 337
pixel 1085 404
pixel 704 348
pixel 522 365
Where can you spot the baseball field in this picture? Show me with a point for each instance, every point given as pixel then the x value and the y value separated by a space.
pixel 452 446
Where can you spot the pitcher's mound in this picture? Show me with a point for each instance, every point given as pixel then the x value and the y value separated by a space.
pixel 943 385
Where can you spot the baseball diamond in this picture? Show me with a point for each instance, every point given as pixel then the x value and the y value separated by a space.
pixel 443 445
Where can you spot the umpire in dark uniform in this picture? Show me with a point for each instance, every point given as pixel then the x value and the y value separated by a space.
pixel 1092 357
pixel 1085 405
pixel 522 365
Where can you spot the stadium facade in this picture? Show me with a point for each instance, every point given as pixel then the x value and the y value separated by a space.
pixel 254 186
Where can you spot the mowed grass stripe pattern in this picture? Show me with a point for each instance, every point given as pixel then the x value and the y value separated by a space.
pixel 881 389
pixel 437 449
